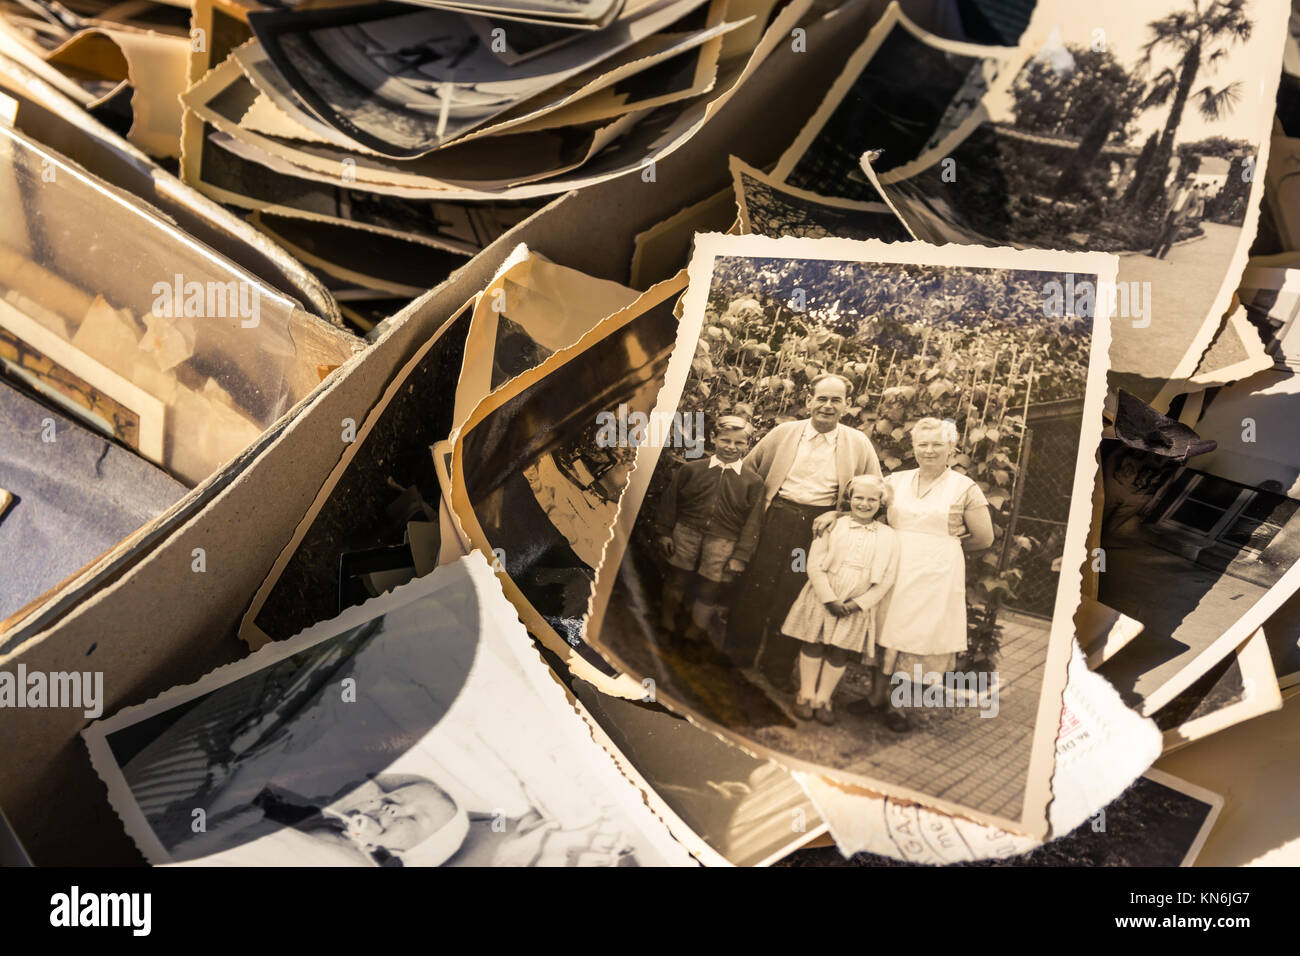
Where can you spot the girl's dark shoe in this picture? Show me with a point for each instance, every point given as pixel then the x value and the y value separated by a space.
pixel 803 709
pixel 824 715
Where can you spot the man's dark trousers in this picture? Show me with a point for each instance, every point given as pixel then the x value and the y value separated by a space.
pixel 768 587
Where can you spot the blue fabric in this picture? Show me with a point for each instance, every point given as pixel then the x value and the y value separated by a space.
pixel 76 497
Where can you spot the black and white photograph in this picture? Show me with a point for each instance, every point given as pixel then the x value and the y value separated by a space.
pixel 1144 142
pixel 770 208
pixel 469 168
pixel 730 808
pixel 1241 686
pixel 901 93
pixel 402 82
pixel 1159 821
pixel 379 739
pixel 872 566
pixel 541 466
pixel 1271 298
pixel 554 14
pixel 1218 533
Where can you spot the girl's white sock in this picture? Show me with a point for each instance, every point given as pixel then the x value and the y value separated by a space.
pixel 830 679
pixel 808 668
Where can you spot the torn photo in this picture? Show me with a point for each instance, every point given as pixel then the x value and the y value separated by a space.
pixel 1096 144
pixel 1215 535
pixel 379 739
pixel 1160 821
pixel 771 208
pixel 540 466
pixel 901 93
pixel 892 500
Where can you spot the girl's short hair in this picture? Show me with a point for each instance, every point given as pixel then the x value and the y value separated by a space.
pixel 947 429
pixel 873 483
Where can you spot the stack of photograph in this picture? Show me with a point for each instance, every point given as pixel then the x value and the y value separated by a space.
pixel 384 144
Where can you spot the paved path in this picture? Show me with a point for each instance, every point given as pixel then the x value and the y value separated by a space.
pixel 952 753
pixel 1183 287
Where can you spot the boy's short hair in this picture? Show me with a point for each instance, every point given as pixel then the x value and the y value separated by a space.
pixel 874 483
pixel 733 423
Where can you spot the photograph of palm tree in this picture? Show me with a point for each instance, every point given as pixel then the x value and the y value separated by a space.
pixel 1137 129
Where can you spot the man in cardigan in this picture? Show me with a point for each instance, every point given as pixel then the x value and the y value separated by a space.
pixel 806 466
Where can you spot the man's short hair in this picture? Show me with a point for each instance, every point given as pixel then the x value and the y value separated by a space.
pixel 848 386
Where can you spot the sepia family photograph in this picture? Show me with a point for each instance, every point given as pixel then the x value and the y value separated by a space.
pixel 863 569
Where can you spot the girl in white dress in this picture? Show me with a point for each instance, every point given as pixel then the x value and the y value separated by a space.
pixel 938 514
pixel 850 568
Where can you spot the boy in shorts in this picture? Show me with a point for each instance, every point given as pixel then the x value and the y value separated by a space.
pixel 707 526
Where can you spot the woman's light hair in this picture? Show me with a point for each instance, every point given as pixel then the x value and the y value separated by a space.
pixel 870 483
pixel 947 429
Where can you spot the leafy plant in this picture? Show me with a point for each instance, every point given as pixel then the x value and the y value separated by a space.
pixel 915 341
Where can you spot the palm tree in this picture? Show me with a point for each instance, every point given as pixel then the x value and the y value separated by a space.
pixel 1201 37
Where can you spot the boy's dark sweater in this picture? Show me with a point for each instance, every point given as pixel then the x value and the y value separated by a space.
pixel 715 501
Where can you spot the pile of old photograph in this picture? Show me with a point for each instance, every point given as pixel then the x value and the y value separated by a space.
pixel 929 495
pixel 384 144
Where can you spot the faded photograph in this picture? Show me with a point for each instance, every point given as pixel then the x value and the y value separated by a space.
pixel 542 477
pixel 1144 144
pixel 768 208
pixel 878 516
pixel 1217 536
pixel 378 741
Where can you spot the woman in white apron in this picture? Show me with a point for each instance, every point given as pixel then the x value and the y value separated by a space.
pixel 938 514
